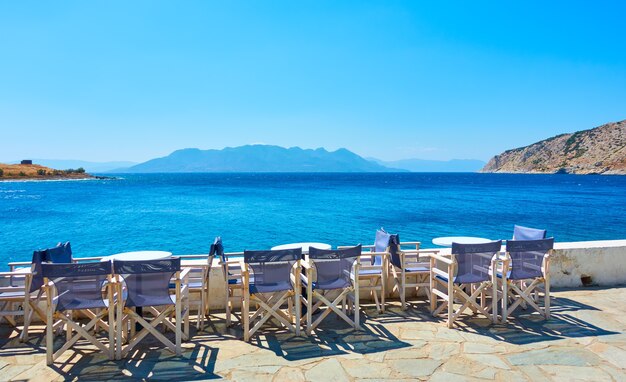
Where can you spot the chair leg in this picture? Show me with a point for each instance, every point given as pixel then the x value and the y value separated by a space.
pixel 298 312
pixel 27 318
pixel 433 296
pixel 403 289
pixel 112 330
pixel 546 297
pixel 494 303
pixel 178 327
pixel 49 337
pixel 227 303
pixel 246 317
pixel 357 311
pixel 119 326
pixel 450 303
pixel 505 300
pixel 309 311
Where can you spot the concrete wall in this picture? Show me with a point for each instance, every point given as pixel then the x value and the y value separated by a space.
pixel 582 263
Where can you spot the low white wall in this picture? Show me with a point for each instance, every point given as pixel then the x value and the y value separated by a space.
pixel 600 263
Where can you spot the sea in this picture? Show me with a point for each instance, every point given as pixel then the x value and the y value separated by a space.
pixel 183 213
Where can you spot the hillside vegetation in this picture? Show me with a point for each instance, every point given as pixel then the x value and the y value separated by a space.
pixel 601 150
pixel 35 171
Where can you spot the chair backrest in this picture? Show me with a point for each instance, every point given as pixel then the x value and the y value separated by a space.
pixel 380 245
pixel 527 257
pixel 526 233
pixel 36 282
pixel 79 286
pixel 272 267
pixel 334 266
pixel 474 261
pixel 217 249
pixel 147 282
pixel 61 254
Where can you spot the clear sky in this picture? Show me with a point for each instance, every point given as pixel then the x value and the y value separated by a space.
pixel 133 80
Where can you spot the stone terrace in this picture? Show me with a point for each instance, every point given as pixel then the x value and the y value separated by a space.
pixel 584 340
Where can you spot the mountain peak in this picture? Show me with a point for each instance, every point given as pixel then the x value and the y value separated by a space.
pixel 260 158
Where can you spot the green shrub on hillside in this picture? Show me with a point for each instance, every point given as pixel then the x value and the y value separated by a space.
pixel 22 173
pixel 41 172
pixel 1 172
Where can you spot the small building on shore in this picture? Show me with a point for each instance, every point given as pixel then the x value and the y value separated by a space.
pixel 26 161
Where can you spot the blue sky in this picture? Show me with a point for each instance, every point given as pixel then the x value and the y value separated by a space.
pixel 389 79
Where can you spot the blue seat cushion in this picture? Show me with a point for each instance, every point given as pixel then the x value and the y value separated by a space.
pixel 465 279
pixel 370 272
pixel 332 284
pixel 418 269
pixel 270 287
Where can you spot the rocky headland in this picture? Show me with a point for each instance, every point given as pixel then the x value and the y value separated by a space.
pixel 601 150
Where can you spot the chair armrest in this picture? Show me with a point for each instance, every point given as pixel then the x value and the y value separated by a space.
pixel 21 288
pixel 185 272
pixel 231 262
pixel 19 263
pixel 441 258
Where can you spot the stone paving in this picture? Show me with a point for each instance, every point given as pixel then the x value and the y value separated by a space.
pixel 584 340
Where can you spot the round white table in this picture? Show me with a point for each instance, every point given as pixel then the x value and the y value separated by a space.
pixel 305 246
pixel 139 256
pixel 447 241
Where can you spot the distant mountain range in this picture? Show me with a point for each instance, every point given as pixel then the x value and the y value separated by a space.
pixel 423 165
pixel 74 164
pixel 601 150
pixel 266 158
pixel 260 158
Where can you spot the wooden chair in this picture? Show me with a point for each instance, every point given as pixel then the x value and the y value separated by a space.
pixel 410 268
pixel 230 264
pixel 271 279
pixel 21 294
pixel 199 280
pixel 78 287
pixel 329 272
pixel 466 276
pixel 24 291
pixel 529 270
pixel 147 286
pixel 373 274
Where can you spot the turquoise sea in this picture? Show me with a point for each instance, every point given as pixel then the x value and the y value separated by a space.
pixel 182 213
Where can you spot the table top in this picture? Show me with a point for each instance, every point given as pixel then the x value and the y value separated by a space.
pixel 139 256
pixel 305 246
pixel 447 241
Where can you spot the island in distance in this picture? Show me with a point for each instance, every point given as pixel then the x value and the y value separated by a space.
pixel 29 171
pixel 269 158
pixel 601 150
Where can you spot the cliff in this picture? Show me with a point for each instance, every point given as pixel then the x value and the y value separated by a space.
pixel 601 150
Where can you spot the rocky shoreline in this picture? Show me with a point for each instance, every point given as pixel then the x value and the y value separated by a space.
pixel 601 150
